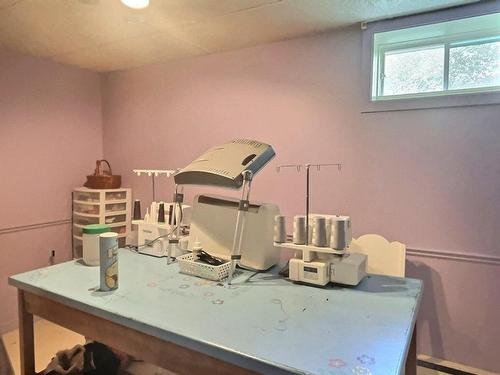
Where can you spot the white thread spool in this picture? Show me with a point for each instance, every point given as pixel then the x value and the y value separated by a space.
pixel 299 230
pixel 319 231
pixel 328 231
pixel 279 228
pixel 341 235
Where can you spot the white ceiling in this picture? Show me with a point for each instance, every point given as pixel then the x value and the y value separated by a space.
pixel 105 35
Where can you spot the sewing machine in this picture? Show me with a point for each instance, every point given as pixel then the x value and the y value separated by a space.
pixel 216 235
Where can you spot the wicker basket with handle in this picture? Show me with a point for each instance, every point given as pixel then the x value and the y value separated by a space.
pixel 102 179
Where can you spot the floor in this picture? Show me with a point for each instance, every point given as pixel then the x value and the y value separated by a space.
pixel 55 338
pixel 5 368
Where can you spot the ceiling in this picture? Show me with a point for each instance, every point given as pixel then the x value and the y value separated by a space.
pixel 105 35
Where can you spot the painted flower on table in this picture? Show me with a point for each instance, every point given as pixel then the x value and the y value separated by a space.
pixel 366 360
pixel 336 363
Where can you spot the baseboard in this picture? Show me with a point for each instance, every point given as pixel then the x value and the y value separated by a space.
pixel 441 368
pixel 449 367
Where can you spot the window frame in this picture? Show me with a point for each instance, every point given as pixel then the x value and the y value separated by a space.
pixel 446 43
pixel 436 99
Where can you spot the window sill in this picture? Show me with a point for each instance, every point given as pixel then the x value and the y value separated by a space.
pixel 442 101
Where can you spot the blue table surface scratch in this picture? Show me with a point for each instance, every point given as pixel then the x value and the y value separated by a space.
pixel 262 322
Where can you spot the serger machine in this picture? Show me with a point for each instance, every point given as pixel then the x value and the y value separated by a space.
pixel 324 257
pixel 159 221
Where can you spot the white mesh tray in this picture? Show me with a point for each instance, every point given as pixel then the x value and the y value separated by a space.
pixel 188 266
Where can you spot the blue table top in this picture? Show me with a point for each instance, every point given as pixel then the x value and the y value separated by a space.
pixel 262 322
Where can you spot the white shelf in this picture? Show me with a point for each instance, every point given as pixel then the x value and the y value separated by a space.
pixel 115 201
pixel 317 249
pixel 91 203
pixel 111 225
pixel 109 213
pixel 87 190
pixel 101 198
pixel 94 203
pixel 84 214
pixel 119 235
pixel 159 225
pixel 118 224
pixel 114 213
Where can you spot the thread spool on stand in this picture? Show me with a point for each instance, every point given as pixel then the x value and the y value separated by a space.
pixel 319 232
pixel 299 230
pixel 161 212
pixel 137 210
pixel 280 228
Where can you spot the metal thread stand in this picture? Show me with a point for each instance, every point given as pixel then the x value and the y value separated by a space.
pixel 173 237
pixel 240 224
pixel 307 167
pixel 153 173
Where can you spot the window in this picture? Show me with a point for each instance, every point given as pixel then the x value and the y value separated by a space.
pixel 446 58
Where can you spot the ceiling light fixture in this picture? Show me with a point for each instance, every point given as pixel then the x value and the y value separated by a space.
pixel 136 4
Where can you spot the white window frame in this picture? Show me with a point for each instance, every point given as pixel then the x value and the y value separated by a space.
pixel 372 61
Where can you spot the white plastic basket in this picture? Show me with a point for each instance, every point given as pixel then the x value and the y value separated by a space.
pixel 188 266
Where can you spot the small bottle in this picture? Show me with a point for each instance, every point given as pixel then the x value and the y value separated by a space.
pixel 196 248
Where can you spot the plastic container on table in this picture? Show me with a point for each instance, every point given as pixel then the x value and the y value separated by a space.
pixel 90 237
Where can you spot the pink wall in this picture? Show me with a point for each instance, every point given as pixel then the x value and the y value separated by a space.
pixel 50 137
pixel 428 178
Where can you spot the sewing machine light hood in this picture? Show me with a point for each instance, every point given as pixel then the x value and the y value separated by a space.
pixel 223 165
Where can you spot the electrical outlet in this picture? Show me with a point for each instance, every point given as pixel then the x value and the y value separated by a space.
pixel 52 257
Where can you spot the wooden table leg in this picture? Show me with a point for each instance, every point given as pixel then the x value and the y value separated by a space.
pixel 411 358
pixel 26 337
